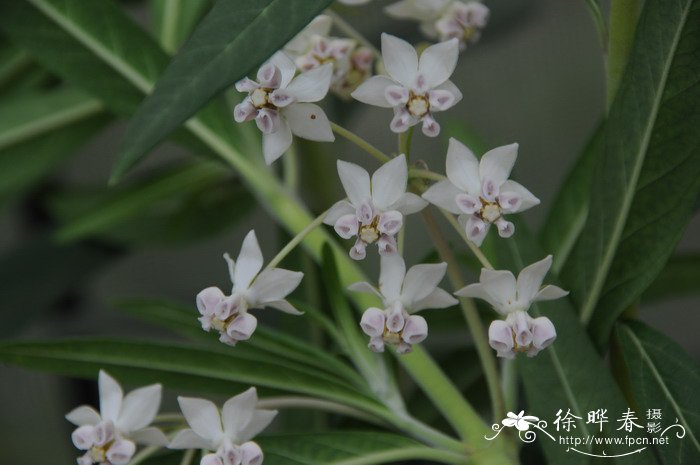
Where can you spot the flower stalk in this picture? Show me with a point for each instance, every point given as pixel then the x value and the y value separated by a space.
pixel 360 142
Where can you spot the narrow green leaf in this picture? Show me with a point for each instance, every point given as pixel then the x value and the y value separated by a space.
pixel 234 38
pixel 647 181
pixel 179 364
pixel 568 213
pixel 174 20
pixel 680 277
pixel 663 376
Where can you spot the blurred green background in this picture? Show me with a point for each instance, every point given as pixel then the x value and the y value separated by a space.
pixel 536 78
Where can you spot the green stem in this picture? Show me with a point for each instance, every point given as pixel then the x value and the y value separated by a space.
pixel 425 174
pixel 510 385
pixel 144 454
pixel 406 453
pixel 599 21
pixel 405 139
pixel 188 457
pixel 296 240
pixel 345 27
pixel 623 23
pixel 360 142
pixel 295 402
pixel 478 332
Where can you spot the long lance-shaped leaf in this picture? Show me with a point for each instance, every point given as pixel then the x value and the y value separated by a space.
pixel 75 35
pixel 663 376
pixel 234 38
pixel 569 374
pixel 679 278
pixel 646 183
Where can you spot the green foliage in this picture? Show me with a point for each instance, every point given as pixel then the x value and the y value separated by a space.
pixel 174 20
pixel 662 376
pixel 680 277
pixel 647 181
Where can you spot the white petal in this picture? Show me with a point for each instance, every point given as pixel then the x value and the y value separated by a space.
pixel 84 437
pixel 441 100
pixel 439 298
pixel 372 322
pixel 120 452
pixel 358 251
pixel 404 348
pixel 150 436
pixel 430 127
pixel 211 459
pixel 355 181
pixel 395 319
pixel 244 111
pixel 282 98
pixel 311 86
pixel 500 285
pixel 463 168
pixel 527 199
pixel 269 76
pixel 284 306
pixel 261 420
pixel 450 87
pixel 286 66
pixel 550 292
pixel 520 324
pixel 437 62
pixel 238 412
pixel 309 121
pixel 242 327
pixel 475 228
pixel 543 332
pixel 203 417
pixel 396 95
pixel 390 222
pixel 251 454
pixel 496 164
pixel 347 226
pixel 477 291
pixel 530 280
pixel 341 208
pixel 274 284
pixel 400 59
pixel 111 396
pixel 276 143
pixel 468 203
pixel 404 9
pixel 83 415
pixel 320 25
pixel 104 432
pixel 415 330
pixel 229 454
pixel 505 228
pixel 501 337
pixel 408 204
pixel 209 299
pixel 402 120
pixel 391 274
pixel 386 245
pixel 188 439
pixel 376 344
pixel 443 194
pixel 248 263
pixel 389 182
pixel 373 91
pixel 420 281
pixel 139 408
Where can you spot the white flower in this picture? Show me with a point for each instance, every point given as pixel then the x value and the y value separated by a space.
pixel 313 47
pixel 109 437
pixel 444 19
pixel 513 298
pixel 376 208
pixel 402 293
pixel 415 89
pixel 228 433
pixel 229 314
pixel 280 104
pixel 481 191
pixel 520 421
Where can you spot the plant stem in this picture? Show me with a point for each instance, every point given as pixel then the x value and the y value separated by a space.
pixel 345 27
pixel 360 142
pixel 296 240
pixel 425 174
pixel 475 250
pixel 623 24
pixel 509 380
pixel 599 21
pixel 488 361
pixel 188 456
pixel 405 139
pixel 144 454
pixel 287 402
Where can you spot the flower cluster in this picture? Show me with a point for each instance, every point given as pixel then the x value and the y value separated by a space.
pixel 251 289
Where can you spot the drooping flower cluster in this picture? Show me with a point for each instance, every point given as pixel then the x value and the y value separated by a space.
pixel 415 88
pixel 402 294
pixel 512 298
pixel 228 434
pixel 281 104
pixel 480 191
pixel 444 19
pixel 110 436
pixel 375 208
pixel 252 289
pixel 314 47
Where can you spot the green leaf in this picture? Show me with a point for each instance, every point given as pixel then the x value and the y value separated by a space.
pixel 180 365
pixel 173 20
pixel 567 215
pixel 101 211
pixel 37 273
pixel 663 376
pixel 347 448
pixel 570 374
pixel 234 38
pixel 31 115
pixel 680 277
pixel 647 181
pixel 183 320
